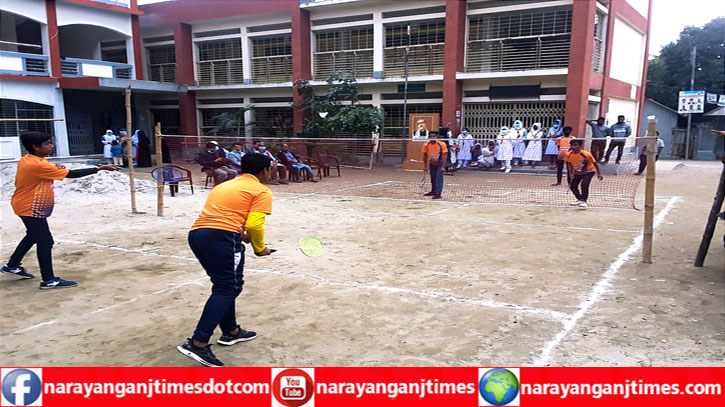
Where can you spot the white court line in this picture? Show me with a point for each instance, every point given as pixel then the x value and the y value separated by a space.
pixel 600 288
pixel 447 209
pixel 550 314
pixel 84 232
pixel 362 186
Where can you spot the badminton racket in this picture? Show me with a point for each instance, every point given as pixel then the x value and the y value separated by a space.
pixel 167 174
pixel 311 246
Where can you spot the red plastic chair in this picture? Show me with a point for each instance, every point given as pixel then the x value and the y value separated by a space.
pixel 174 186
pixel 326 161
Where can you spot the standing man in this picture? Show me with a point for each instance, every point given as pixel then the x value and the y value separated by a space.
pixel 599 137
pixel 643 153
pixel 582 166
pixel 234 212
pixel 619 132
pixel 435 155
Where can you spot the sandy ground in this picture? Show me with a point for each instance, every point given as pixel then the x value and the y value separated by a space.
pixel 401 283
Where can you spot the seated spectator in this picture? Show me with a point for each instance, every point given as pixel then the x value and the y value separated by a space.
pixel 277 170
pixel 212 161
pixel 488 155
pixel 290 160
pixel 235 157
pixel 475 153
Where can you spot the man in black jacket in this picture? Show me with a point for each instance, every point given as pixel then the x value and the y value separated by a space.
pixel 213 162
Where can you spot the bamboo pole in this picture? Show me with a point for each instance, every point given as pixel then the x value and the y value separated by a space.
pixel 649 194
pixel 711 221
pixel 159 163
pixel 129 150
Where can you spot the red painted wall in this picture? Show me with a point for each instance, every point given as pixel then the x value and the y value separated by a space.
pixel 580 65
pixel 454 52
pixel 137 48
pixel 301 59
pixel 185 75
pixel 53 38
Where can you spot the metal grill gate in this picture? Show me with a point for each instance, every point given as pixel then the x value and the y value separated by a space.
pixel 484 120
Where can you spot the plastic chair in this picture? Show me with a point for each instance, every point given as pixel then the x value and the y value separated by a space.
pixel 174 186
pixel 326 162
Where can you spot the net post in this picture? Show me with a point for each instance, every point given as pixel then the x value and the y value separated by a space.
pixel 159 163
pixel 649 194
pixel 129 150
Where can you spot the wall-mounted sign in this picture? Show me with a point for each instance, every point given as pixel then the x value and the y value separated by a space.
pixel 691 101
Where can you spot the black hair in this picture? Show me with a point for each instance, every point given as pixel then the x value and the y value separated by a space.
pixel 579 142
pixel 601 118
pixel 236 143
pixel 34 138
pixel 491 143
pixel 568 129
pixel 254 163
pixel 114 142
pixel 621 115
pixel 433 132
pixel 210 144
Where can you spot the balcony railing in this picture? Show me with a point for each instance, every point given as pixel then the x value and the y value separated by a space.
pixel 598 56
pixel 520 54
pixel 356 64
pixel 272 69
pixel 162 72
pixel 18 63
pixel 74 67
pixel 423 60
pixel 219 72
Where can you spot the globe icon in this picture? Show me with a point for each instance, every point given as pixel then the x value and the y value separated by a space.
pixel 498 387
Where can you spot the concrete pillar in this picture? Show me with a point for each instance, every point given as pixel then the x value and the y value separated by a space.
pixel 185 75
pixel 455 48
pixel 378 45
pixel 580 65
pixel 301 58
pixel 137 48
pixel 54 43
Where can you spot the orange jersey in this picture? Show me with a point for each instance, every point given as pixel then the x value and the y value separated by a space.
pixel 33 194
pixel 564 142
pixel 581 162
pixel 229 204
pixel 434 150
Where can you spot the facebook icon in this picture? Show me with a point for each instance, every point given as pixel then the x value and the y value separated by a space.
pixel 21 387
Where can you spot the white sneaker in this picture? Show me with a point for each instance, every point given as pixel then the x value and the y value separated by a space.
pixel 583 205
pixel 503 168
pixel 575 203
pixel 508 170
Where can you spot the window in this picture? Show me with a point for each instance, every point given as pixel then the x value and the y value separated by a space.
pixel 519 41
pixel 162 63
pixel 272 59
pixel 427 40
pixel 210 119
pixel 600 22
pixel 220 62
pixel 17 109
pixel 347 52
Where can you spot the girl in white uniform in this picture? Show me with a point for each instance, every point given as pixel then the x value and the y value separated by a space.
pixel 519 134
pixel 551 148
pixel 106 140
pixel 506 148
pixel 533 150
pixel 465 144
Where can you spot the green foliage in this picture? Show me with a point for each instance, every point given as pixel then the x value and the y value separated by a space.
pixel 229 123
pixel 345 115
pixel 669 73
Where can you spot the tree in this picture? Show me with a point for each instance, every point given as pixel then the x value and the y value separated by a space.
pixel 345 114
pixel 669 73
pixel 228 122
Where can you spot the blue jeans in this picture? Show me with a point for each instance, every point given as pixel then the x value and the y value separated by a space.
pixel 436 178
pixel 221 253
pixel 298 166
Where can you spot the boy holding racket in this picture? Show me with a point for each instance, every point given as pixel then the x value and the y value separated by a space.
pixel 582 166
pixel 235 211
pixel 33 201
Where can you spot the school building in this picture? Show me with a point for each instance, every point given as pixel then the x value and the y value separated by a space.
pixel 480 64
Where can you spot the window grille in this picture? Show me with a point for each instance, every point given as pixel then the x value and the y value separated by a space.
pixel 347 52
pixel 16 109
pixel 519 41
pixel 272 59
pixel 162 63
pixel 426 48
pixel 220 62
pixel 600 22
pixel 273 121
pixel 484 120
pixel 209 121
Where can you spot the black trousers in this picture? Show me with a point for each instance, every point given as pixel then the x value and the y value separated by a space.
pixel 36 232
pixel 585 179
pixel 221 253
pixel 597 149
pixel 560 172
pixel 643 162
pixel 619 145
